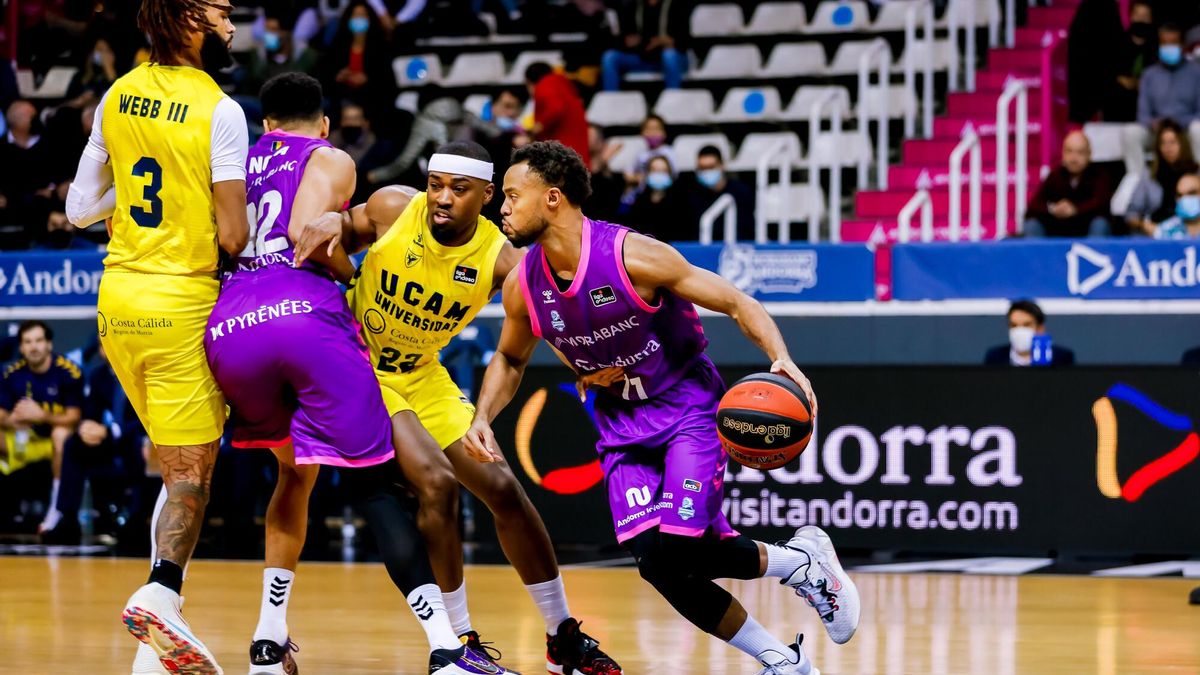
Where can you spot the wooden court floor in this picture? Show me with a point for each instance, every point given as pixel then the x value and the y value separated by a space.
pixel 61 616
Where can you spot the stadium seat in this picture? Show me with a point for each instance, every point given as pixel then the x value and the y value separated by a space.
pixel 795 60
pixel 631 147
pixel 475 68
pixel 685 106
pixel 479 105
pixel 840 17
pixel 801 105
pixel 750 104
pixel 845 149
pixel 777 18
pixel 900 99
pixel 717 20
pixel 754 146
pixel 410 101
pixel 892 15
pixel 845 62
pixel 804 202
pixel 516 74
pixel 54 85
pixel 983 8
pixel 417 70
pixel 688 146
pixel 941 56
pixel 617 108
pixel 730 62
pixel 1105 138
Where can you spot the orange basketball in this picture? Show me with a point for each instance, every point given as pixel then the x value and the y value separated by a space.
pixel 764 421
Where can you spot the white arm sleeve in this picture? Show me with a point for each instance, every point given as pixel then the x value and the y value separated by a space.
pixel 92 196
pixel 230 142
pixel 410 11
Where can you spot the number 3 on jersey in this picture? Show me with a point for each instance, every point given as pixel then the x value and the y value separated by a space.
pixel 154 216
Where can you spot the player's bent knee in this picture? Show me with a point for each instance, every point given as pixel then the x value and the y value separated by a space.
pixel 437 485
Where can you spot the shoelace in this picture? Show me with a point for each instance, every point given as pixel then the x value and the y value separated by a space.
pixel 820 598
pixel 485 648
pixel 592 657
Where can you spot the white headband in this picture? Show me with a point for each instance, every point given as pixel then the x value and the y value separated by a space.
pixel 461 166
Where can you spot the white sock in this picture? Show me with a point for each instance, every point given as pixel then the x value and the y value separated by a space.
pixel 427 605
pixel 456 607
pixel 53 496
pixel 272 613
pixel 782 561
pixel 753 639
pixel 158 507
pixel 551 599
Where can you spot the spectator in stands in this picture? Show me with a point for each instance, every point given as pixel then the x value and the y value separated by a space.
pixel 1153 200
pixel 40 399
pixel 441 121
pixel 1095 57
pixel 1140 50
pixel 558 112
pixel 96 76
pixel 507 133
pixel 654 36
pixel 1185 224
pixel 711 183
pixel 23 192
pixel 1025 320
pixel 358 59
pixel 654 132
pixel 607 185
pixel 354 135
pixel 1170 89
pixel 659 209
pixel 277 53
pixel 1074 199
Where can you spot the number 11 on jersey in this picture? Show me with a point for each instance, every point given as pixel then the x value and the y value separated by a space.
pixel 633 385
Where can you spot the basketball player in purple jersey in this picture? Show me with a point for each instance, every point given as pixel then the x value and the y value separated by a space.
pixel 617 307
pixel 282 346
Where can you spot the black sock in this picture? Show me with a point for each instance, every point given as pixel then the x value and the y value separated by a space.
pixel 168 574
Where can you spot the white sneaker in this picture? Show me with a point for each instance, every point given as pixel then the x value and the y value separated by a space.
pixel 792 663
pixel 146 662
pixel 152 616
pixel 53 517
pixel 824 583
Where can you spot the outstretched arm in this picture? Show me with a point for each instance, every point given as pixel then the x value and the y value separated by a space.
pixel 356 228
pixel 327 184
pixel 504 373
pixel 652 264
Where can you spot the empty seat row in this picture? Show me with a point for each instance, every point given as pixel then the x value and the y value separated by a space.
pixel 741 104
pixel 846 149
pixel 469 69
pixel 832 16
pixel 800 59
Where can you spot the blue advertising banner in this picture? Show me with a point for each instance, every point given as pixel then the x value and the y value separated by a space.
pixel 50 278
pixel 787 273
pixel 1110 269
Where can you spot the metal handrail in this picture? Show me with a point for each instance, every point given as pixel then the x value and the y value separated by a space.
pixel 724 206
pixel 969 143
pixel 882 53
pixel 1010 23
pixel 910 39
pixel 971 50
pixel 1014 90
pixel 763 180
pixel 827 99
pixel 920 200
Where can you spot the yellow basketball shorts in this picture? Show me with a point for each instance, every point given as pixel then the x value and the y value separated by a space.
pixel 15 456
pixel 152 329
pixel 429 392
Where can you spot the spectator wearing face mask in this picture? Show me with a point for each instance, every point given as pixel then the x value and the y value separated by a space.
pixel 277 53
pixel 355 137
pixel 1139 51
pixel 710 184
pixel 659 209
pixel 1153 200
pixel 506 133
pixel 1025 321
pixel 1185 224
pixel 358 59
pixel 1170 89
pixel 654 132
pixel 96 75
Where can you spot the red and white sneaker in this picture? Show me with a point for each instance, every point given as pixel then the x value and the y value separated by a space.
pixel 152 615
pixel 824 584
pixel 573 652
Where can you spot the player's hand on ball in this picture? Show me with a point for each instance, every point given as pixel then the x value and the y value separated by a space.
pixel 325 228
pixel 788 368
pixel 604 377
pixel 480 443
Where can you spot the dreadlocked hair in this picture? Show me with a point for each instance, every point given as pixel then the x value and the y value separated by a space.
pixel 168 23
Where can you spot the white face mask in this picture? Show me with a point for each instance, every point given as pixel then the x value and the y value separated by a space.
pixel 1021 339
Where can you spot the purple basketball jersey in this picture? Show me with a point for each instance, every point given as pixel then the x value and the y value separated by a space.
pixel 601 321
pixel 274 169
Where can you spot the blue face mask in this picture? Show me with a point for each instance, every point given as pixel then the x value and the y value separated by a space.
pixel 359 25
pixel 506 123
pixel 271 41
pixel 1170 55
pixel 658 180
pixel 1187 207
pixel 710 177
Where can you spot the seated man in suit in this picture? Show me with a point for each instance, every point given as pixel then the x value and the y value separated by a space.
pixel 1025 320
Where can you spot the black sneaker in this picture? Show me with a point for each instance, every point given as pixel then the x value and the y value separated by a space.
pixel 1194 598
pixel 573 652
pixel 270 658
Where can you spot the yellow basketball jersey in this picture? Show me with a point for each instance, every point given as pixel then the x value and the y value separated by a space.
pixel 412 295
pixel 157 126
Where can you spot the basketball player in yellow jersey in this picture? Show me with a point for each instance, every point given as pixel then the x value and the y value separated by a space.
pixel 166 161
pixel 433 263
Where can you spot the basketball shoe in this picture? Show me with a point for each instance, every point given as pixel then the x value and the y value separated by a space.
pixel 268 657
pixel 824 584
pixel 462 661
pixel 146 662
pixel 484 649
pixel 574 652
pixel 787 664
pixel 152 616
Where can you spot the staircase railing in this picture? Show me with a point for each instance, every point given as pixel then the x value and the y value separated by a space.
pixel 724 206
pixel 923 8
pixel 969 144
pixel 921 200
pixel 763 180
pixel 880 54
pixel 1017 91
pixel 831 99
pixel 971 53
